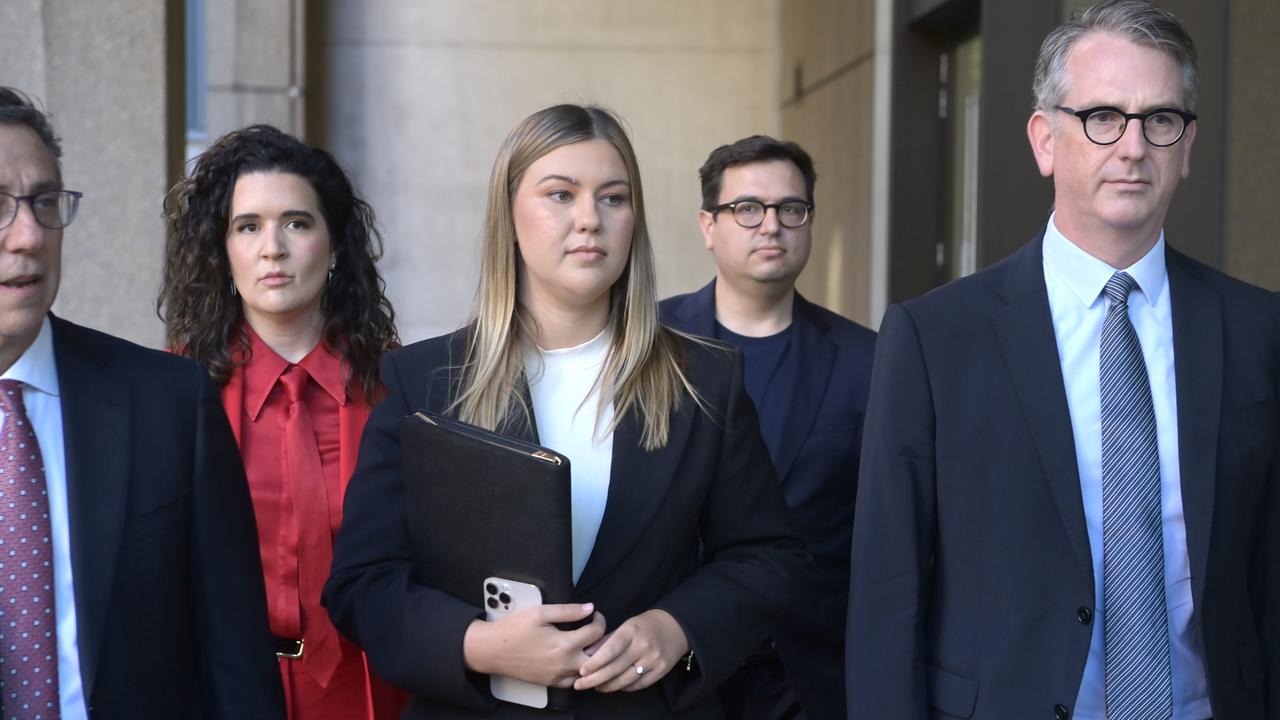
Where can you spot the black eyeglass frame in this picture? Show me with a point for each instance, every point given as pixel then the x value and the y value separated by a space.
pixel 1187 119
pixel 777 207
pixel 30 200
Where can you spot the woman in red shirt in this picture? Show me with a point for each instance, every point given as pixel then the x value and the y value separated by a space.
pixel 271 284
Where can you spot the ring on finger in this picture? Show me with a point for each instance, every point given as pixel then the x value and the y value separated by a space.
pixel 639 669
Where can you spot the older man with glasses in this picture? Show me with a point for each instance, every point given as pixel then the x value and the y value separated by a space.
pixel 1070 501
pixel 130 584
pixel 807 371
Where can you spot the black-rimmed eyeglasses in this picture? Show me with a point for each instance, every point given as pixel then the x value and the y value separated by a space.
pixel 53 209
pixel 750 213
pixel 1104 125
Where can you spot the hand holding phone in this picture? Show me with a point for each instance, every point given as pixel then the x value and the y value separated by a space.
pixel 501 597
pixel 519 646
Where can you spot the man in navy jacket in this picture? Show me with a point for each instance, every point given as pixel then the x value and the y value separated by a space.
pixel 1071 477
pixel 132 492
pixel 807 371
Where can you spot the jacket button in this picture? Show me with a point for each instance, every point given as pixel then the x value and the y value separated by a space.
pixel 1060 712
pixel 1084 615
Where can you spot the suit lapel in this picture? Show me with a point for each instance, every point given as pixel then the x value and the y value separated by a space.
pixel 233 401
pixel 638 482
pixel 697 314
pixel 96 435
pixel 1198 362
pixel 351 421
pixel 1024 331
pixel 814 358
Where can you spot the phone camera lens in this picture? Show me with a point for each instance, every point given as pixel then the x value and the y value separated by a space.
pixel 505 598
pixel 493 604
pixel 491 588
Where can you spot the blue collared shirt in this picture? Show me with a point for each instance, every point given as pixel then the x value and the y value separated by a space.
pixel 1075 280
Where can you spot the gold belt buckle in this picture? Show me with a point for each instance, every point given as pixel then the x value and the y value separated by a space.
pixel 291 649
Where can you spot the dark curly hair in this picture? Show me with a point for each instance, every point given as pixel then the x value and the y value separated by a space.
pixel 204 321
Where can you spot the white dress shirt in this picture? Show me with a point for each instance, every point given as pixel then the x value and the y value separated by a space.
pixel 564 389
pixel 38 372
pixel 1075 280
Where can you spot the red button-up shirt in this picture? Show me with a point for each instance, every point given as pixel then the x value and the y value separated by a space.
pixel 261 438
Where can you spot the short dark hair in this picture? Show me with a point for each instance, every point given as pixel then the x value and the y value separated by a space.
pixel 757 148
pixel 18 109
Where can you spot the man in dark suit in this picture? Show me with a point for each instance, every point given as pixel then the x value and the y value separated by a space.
pixel 1070 493
pixel 132 586
pixel 807 371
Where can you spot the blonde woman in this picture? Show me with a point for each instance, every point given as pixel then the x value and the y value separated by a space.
pixel 681 538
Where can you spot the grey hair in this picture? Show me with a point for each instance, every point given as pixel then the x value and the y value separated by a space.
pixel 1137 21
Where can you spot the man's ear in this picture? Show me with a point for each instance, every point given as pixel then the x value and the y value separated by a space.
pixel 1188 138
pixel 706 221
pixel 1040 133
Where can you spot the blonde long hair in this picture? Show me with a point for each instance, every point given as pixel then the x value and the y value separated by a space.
pixel 644 369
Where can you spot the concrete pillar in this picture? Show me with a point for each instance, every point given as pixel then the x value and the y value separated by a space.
pixel 418 96
pixel 1251 249
pixel 255 64
pixel 828 54
pixel 104 71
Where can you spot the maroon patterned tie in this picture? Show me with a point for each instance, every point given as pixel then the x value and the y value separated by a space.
pixel 28 643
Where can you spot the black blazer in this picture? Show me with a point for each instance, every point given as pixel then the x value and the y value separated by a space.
pixel 973 588
pixel 170 607
pixel 818 462
pixel 712 482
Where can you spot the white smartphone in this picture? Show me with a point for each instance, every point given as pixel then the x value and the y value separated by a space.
pixel 501 597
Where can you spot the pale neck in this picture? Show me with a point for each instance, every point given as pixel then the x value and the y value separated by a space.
pixel 557 326
pixel 290 338
pixel 761 310
pixel 11 349
pixel 1119 249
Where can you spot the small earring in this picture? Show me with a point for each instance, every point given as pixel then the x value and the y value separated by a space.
pixel 332 266
pixel 233 288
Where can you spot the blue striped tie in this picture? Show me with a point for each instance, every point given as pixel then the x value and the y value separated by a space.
pixel 1138 680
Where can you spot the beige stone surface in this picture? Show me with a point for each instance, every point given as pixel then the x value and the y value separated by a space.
pixel 823 37
pixel 834 125
pixel 99 69
pixel 832 120
pixel 1252 244
pixel 227 110
pixel 254 60
pixel 608 24
pixel 420 95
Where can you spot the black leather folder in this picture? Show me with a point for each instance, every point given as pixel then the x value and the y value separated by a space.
pixel 482 504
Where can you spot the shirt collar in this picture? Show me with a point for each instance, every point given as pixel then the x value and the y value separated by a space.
pixel 36 367
pixel 266 366
pixel 1086 275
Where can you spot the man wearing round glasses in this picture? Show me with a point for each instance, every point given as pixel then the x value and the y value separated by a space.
pixel 807 370
pixel 1070 494
pixel 130 584
pixel 33 247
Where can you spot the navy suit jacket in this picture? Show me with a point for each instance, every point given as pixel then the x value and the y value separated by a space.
pixel 171 612
pixel 818 456
pixel 712 483
pixel 973 586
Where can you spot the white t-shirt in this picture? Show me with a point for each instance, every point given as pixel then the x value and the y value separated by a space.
pixel 566 397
